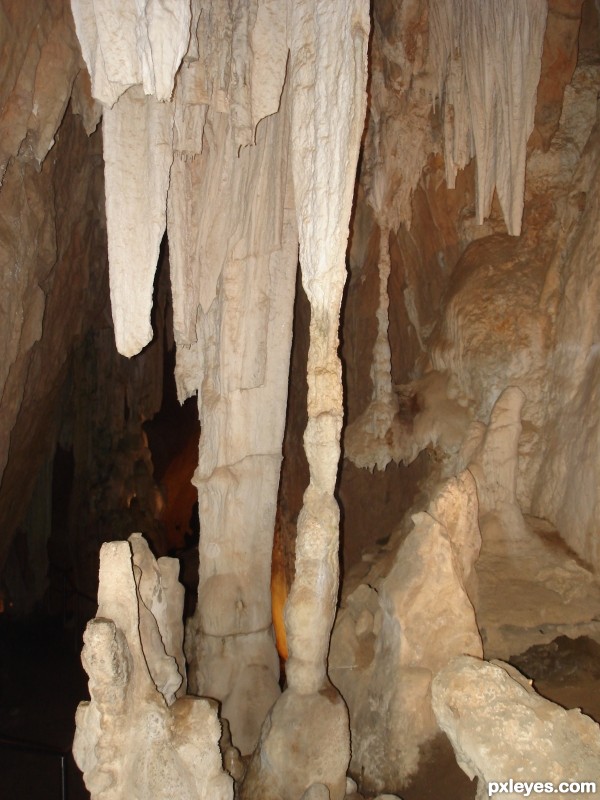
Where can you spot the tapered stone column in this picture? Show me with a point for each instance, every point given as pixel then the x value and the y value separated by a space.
pixel 328 79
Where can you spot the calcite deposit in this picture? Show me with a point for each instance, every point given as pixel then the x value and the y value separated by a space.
pixel 234 342
pixel 502 731
pixel 410 615
pixel 134 659
pixel 185 187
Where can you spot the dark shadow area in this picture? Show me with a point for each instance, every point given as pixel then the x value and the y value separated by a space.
pixel 41 683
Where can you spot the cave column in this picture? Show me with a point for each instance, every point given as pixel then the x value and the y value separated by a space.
pixel 328 70
pixel 239 364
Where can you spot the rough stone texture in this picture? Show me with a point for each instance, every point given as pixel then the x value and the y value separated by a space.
pixel 53 252
pixel 487 315
pixel 486 59
pixel 236 358
pixel 316 792
pixel 168 747
pixel 138 152
pixel 327 60
pixel 138 45
pixel 501 729
pixel 41 63
pixel 233 271
pixel 532 588
pixel 482 116
pixel 411 614
pixel 572 422
pixel 241 362
pixel 314 727
pixel 559 58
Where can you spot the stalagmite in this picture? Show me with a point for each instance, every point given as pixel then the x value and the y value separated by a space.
pixel 407 618
pixel 328 80
pixel 166 747
pixel 504 733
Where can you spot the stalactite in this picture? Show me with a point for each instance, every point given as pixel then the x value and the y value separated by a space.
pixel 486 61
pixel 138 152
pixel 368 441
pixel 132 43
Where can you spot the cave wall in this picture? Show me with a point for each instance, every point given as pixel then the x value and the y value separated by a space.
pixel 65 389
pixel 54 238
pixel 466 298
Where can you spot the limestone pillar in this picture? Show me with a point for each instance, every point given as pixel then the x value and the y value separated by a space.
pixel 242 355
pixel 328 69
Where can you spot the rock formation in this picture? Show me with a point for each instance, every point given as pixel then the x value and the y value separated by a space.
pixel 189 179
pixel 481 705
pixel 134 738
pixel 408 617
pixel 323 197
pixel 235 340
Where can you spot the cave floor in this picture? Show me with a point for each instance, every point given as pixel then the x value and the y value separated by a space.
pixel 41 682
pixel 532 589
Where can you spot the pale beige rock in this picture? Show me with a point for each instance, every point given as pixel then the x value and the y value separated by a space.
pixel 531 588
pixel 366 440
pixel 327 60
pixel 441 423
pixel 138 152
pixel 425 619
pixel 486 59
pixel 233 264
pixel 240 51
pixel 316 792
pixel 243 351
pixel 566 489
pixel 495 464
pixel 314 727
pixel 129 43
pixel 134 739
pixel 161 596
pixel 220 355
pixel 323 195
pixel 489 710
